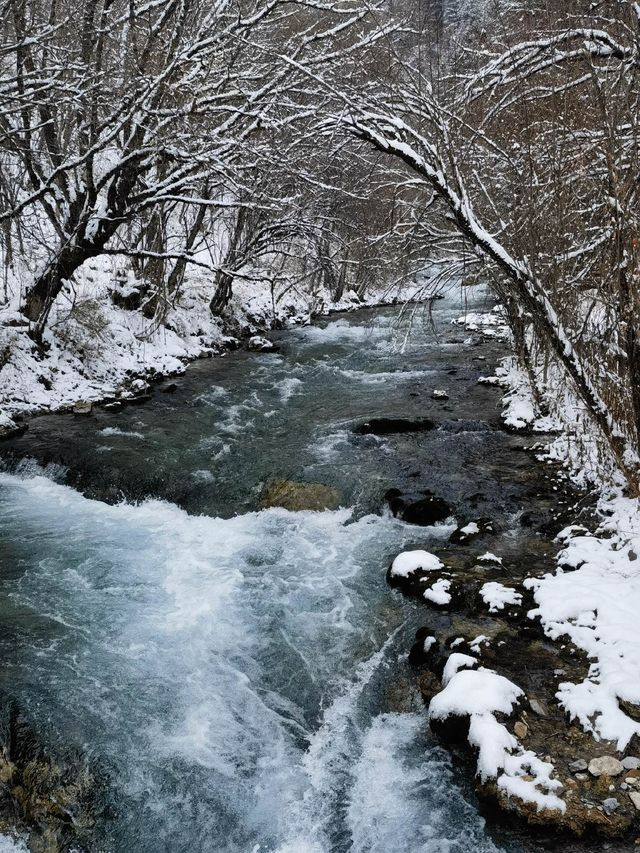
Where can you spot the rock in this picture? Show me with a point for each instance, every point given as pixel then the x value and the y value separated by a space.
pixel 115 406
pixel 582 777
pixel 630 709
pixel 521 730
pixel 634 796
pixel 439 394
pixel 138 386
pixel 393 426
pixel 610 805
pixel 471 531
pixel 578 766
pixel 429 685
pixel 259 344
pixel 424 511
pixel 542 711
pixel 82 407
pixel 299 496
pixel 170 388
pixel 606 765
pixel 631 763
pixel 9 428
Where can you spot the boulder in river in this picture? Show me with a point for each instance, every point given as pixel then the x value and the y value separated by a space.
pixel 470 531
pixel 299 496
pixel 259 344
pixel 394 426
pixel 424 511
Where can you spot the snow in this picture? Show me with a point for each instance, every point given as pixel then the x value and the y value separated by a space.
pixel 470 529
pixel 479 641
pixel 479 691
pixel 489 558
pixel 454 663
pixel 408 562
pixel 428 643
pixel 439 593
pixel 594 599
pixel 480 694
pixel 498 596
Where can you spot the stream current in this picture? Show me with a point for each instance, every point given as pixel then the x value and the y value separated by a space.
pixel 239 675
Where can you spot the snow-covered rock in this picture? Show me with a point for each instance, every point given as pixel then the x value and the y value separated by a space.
pixel 466 709
pixel 409 562
pixel 497 596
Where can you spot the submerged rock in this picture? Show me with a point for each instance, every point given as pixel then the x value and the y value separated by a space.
pixel 299 496
pixel 394 426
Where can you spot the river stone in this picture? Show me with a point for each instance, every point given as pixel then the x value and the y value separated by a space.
pixel 82 407
pixel 631 763
pixel 521 730
pixel 393 426
pixel 423 511
pixel 606 765
pixel 635 799
pixel 259 344
pixel 610 805
pixel 299 496
pixel 578 766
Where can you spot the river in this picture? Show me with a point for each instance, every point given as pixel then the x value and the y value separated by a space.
pixel 238 676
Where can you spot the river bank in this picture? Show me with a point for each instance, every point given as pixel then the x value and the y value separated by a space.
pixel 99 347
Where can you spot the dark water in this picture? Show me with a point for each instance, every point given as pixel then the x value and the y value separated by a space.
pixel 235 673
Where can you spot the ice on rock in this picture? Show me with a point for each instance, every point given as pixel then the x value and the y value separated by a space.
pixel 408 562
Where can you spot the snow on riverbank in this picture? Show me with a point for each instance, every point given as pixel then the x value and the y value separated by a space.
pixel 94 348
pixel 594 599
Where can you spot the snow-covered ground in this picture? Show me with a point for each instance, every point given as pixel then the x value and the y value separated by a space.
pixel 593 599
pixel 94 349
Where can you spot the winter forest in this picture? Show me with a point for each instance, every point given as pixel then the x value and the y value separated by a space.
pixel 319 426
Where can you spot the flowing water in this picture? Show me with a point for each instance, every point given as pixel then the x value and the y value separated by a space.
pixel 234 673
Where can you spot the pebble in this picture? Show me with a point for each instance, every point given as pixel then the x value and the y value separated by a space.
pixel 631 763
pixel 581 777
pixel 521 730
pixel 635 799
pixel 610 805
pixel 578 766
pixel 606 764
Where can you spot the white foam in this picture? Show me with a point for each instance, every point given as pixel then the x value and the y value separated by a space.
pixel 122 432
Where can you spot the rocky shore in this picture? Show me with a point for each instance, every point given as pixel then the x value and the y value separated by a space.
pixel 491 676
